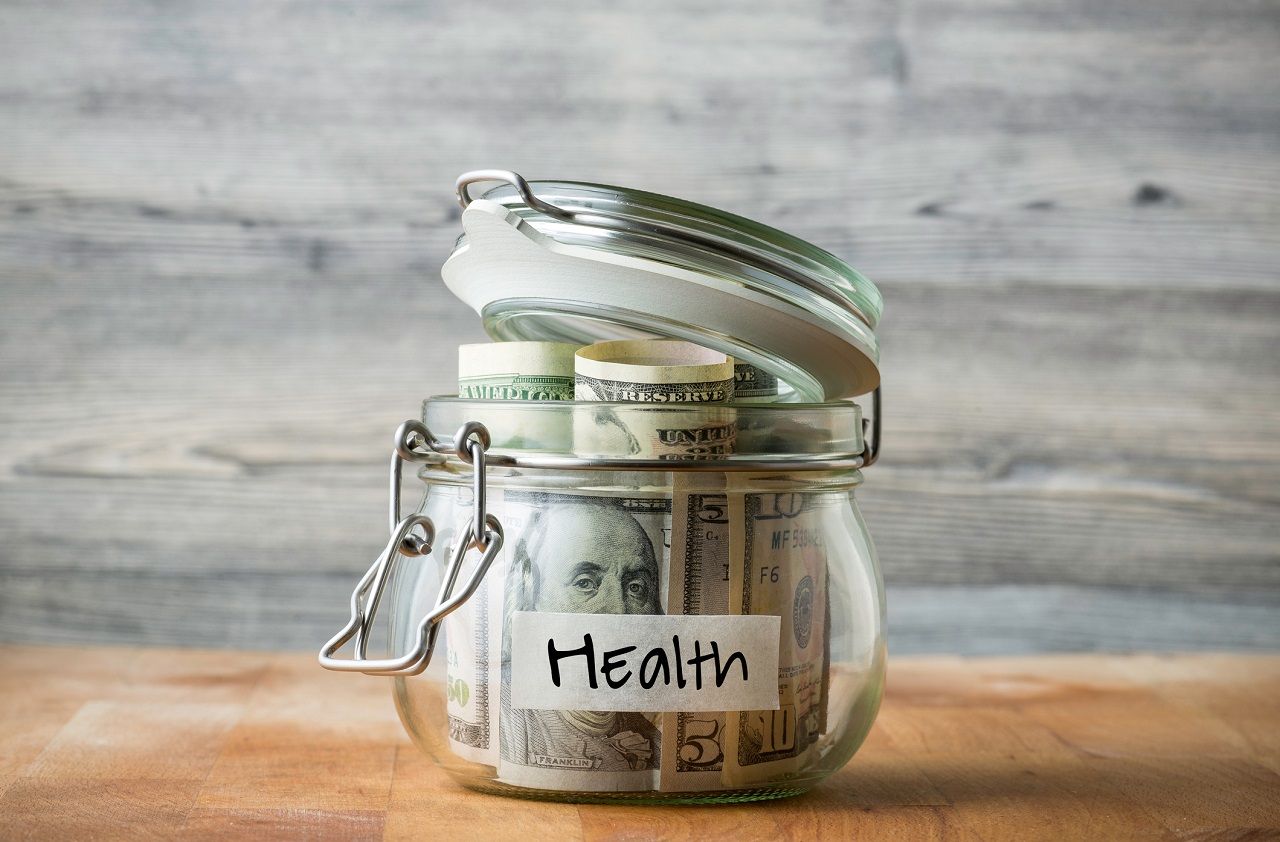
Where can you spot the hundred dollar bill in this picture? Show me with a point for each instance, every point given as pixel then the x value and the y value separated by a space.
pixel 583 554
pixel 516 371
pixel 780 568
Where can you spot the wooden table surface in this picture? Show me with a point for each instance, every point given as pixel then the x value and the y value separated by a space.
pixel 142 743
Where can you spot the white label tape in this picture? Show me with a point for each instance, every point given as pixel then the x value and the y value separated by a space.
pixel 644 662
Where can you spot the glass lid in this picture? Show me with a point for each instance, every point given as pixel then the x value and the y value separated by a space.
pixel 583 262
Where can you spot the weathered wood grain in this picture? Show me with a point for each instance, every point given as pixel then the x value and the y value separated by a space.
pixel 1050 747
pixel 221 227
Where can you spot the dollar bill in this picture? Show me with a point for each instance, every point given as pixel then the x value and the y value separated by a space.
pixel 520 371
pixel 660 372
pixel 652 371
pixel 693 742
pixel 751 383
pixel 473 634
pixel 780 568
pixel 586 554
pixel 473 637
pixel 672 373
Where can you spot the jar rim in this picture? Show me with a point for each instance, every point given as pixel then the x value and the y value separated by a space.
pixel 549 434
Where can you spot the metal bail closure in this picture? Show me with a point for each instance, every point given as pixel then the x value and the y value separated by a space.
pixel 415 443
pixel 872 431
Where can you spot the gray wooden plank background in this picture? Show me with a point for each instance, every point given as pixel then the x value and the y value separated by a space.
pixel 221 226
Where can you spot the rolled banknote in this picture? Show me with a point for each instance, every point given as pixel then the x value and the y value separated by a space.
pixel 670 372
pixel 652 371
pixel 663 372
pixel 516 371
pixel 693 753
pixel 495 371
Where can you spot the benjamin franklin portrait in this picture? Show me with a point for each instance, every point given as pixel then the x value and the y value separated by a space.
pixel 589 557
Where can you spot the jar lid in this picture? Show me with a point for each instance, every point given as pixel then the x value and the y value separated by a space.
pixel 576 262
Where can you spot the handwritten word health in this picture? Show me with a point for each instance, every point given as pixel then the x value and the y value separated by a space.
pixel 644 662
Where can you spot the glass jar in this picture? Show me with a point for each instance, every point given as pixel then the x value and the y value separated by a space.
pixel 613 533
pixel 608 624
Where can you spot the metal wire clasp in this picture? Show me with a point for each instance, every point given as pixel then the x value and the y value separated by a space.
pixel 414 535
